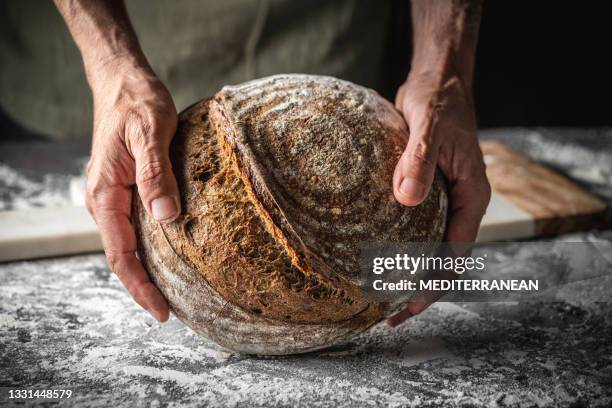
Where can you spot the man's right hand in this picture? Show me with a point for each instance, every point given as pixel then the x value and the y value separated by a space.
pixel 134 122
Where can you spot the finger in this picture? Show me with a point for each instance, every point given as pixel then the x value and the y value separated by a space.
pixel 412 309
pixel 111 209
pixel 470 200
pixel 155 179
pixel 416 168
pixel 469 204
pixel 417 303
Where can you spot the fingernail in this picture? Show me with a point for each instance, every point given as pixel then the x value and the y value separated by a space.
pixel 164 208
pixel 156 316
pixel 149 308
pixel 412 188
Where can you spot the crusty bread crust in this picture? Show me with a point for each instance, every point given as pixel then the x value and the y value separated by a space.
pixel 281 180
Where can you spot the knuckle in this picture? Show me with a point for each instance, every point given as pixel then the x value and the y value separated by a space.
pixel 101 199
pixel 151 173
pixel 89 167
pixel 483 187
pixel 155 125
pixel 148 131
pixel 137 130
pixel 94 193
pixel 91 198
pixel 487 189
pixel 89 204
pixel 149 126
pixel 421 157
pixel 423 154
pixel 114 260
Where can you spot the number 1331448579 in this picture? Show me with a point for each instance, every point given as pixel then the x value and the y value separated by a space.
pixel 30 393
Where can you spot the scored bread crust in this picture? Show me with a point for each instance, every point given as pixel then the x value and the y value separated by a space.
pixel 281 179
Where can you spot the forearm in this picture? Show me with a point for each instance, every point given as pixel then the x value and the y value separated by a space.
pixel 103 33
pixel 445 34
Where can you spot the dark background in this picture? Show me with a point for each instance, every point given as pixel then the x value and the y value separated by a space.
pixel 539 63
pixel 544 63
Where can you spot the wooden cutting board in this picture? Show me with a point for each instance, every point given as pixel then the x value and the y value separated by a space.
pixel 528 200
pixel 532 200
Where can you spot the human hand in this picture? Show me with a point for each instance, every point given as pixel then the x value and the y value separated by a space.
pixel 134 122
pixel 439 111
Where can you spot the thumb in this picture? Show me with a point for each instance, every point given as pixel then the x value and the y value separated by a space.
pixel 416 167
pixel 155 179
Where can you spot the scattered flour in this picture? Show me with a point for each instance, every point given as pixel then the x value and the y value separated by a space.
pixel 515 356
pixel 419 351
pixel 456 310
pixel 19 192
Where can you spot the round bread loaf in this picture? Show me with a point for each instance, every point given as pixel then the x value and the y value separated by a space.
pixel 281 179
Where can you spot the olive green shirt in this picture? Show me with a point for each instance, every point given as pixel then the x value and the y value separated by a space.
pixel 194 46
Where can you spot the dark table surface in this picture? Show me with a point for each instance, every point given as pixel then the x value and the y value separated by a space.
pixel 67 322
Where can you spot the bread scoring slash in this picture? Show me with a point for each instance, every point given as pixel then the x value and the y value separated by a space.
pixel 281 179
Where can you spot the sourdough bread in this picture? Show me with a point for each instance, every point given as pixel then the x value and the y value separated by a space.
pixel 281 179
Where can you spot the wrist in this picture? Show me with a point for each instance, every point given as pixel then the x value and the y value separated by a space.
pixel 440 68
pixel 445 35
pixel 441 85
pixel 102 71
